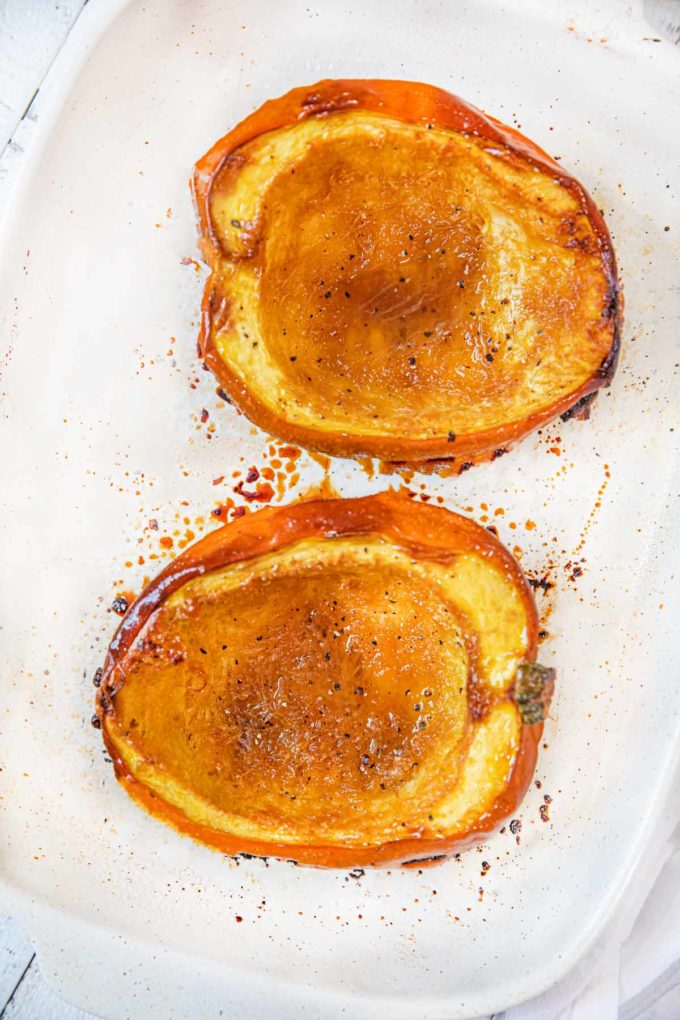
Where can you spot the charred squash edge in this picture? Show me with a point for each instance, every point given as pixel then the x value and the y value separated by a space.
pixel 414 103
pixel 398 519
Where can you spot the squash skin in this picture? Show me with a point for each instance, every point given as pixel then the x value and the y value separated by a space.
pixel 416 104
pixel 424 531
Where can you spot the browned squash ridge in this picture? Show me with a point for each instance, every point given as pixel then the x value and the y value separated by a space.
pixel 393 273
pixel 340 683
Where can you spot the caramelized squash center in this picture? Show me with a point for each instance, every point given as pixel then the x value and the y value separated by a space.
pixel 370 270
pixel 327 693
pixel 404 278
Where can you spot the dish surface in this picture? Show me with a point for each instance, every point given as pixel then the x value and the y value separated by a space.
pixel 103 441
pixel 395 274
pixel 336 682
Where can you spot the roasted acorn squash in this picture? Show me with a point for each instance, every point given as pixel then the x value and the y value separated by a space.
pixel 339 682
pixel 396 274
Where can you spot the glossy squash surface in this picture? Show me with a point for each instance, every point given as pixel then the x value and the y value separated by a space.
pixel 395 274
pixel 339 682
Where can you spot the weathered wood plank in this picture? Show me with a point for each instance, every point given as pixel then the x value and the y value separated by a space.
pixel 16 953
pixel 33 999
pixel 31 35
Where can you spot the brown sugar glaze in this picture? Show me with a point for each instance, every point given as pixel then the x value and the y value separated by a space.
pixel 385 319
pixel 369 639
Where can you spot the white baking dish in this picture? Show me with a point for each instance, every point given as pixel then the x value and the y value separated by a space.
pixel 99 434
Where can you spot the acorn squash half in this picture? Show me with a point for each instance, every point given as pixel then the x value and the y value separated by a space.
pixel 396 274
pixel 339 682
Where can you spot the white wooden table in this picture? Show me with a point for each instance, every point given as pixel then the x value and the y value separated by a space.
pixel 32 33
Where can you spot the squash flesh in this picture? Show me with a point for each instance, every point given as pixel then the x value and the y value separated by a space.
pixel 379 286
pixel 334 693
